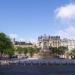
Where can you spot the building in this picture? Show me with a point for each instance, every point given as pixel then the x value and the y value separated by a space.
pixel 43 41
pixel 48 41
pixel 53 41
pixel 68 43
pixel 23 44
pixel 56 41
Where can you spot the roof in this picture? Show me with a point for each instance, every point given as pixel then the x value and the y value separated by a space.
pixel 22 43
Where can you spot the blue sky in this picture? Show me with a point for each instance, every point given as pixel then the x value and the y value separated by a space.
pixel 28 19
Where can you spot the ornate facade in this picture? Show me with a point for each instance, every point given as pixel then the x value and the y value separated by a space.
pixel 53 41
pixel 68 43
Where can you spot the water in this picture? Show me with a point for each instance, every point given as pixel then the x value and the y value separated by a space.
pixel 37 70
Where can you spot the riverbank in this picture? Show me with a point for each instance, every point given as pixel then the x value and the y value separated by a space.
pixel 38 61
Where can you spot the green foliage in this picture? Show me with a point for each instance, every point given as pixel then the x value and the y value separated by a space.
pixel 54 50
pixel 31 51
pixel 9 52
pixel 72 52
pixel 58 51
pixel 6 45
pixel 26 50
pixel 36 50
pixel 19 50
pixel 62 50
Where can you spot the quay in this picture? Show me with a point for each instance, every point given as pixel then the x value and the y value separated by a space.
pixel 38 62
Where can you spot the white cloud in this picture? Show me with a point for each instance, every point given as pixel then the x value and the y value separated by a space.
pixel 71 29
pixel 18 38
pixel 66 12
pixel 67 33
pixel 13 35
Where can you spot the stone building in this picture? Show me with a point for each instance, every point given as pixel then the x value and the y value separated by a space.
pixel 56 41
pixel 43 43
pixel 68 43
pixel 53 41
pixel 23 44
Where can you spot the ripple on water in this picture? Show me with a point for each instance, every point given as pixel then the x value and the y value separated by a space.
pixel 37 70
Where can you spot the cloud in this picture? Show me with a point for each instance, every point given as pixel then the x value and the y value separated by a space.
pixel 66 12
pixel 67 33
pixel 13 35
pixel 18 38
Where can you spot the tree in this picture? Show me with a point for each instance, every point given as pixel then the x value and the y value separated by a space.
pixel 8 52
pixel 62 50
pixel 36 50
pixel 19 50
pixel 31 51
pixel 5 44
pixel 72 53
pixel 58 51
pixel 25 50
pixel 54 50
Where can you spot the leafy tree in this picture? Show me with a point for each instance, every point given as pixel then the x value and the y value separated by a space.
pixel 8 52
pixel 58 51
pixel 31 51
pixel 72 52
pixel 54 50
pixel 19 50
pixel 25 50
pixel 36 50
pixel 62 50
pixel 5 44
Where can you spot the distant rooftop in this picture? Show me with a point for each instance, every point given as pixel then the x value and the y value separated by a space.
pixel 22 43
pixel 48 37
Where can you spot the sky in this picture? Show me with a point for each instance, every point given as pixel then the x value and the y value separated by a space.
pixel 25 20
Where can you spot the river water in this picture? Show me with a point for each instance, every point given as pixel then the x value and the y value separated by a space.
pixel 37 70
